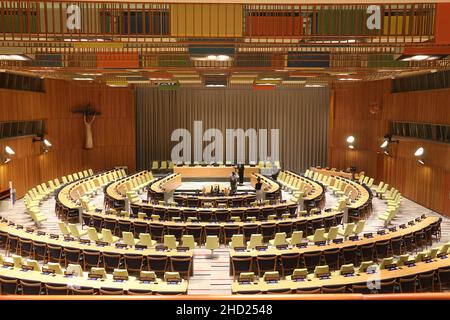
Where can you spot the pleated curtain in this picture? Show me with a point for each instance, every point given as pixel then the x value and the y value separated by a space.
pixel 300 114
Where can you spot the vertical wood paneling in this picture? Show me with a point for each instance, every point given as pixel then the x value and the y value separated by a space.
pixel 426 184
pixel 113 132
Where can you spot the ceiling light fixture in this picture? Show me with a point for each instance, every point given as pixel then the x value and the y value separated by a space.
pixel 419 152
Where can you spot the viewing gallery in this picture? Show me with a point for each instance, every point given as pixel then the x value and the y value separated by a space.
pixel 217 149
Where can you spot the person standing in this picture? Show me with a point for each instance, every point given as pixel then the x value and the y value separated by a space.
pixel 233 182
pixel 241 169
pixel 259 190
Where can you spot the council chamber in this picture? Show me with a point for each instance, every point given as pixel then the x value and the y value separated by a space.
pixel 217 149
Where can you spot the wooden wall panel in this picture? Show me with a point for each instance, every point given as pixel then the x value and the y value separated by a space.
pixel 354 111
pixel 113 132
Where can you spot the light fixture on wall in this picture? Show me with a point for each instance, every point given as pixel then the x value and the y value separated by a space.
pixel 7 154
pixel 350 141
pixel 420 155
pixel 386 143
pixel 45 144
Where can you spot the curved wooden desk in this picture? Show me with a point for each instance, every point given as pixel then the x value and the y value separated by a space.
pixel 72 281
pixel 220 171
pixel 314 189
pixel 340 280
pixel 269 186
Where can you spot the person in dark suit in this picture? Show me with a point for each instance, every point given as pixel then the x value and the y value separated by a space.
pixel 241 169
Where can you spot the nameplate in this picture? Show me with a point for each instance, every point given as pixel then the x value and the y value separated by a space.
pixel 417 219
pixel 161 248
pixel 54 236
pixel 182 249
pixel 29 230
pixel 272 281
pixel 68 238
pixel 120 278
pixel 353 238
pixel 261 248
pixel 27 268
pixel 11 224
pixel 381 232
pixel 411 223
pixel 282 246
pixel 94 276
pixel 348 274
pixel 402 226
pixel 298 278
pixel 19 227
pixel 121 245
pixel 239 249
pixel 390 267
pixel 410 263
pixel 302 245
pixel 147 280
pixel 320 243
pixel 173 281
pixel 8 264
pixel 324 276
pixel 423 216
pixel 442 255
pixel 48 271
pixel 85 241
pixel 140 247
pixel 338 240
pixel 393 229
pixel 368 235
pixel 69 273
pixel 41 233
pixel 101 243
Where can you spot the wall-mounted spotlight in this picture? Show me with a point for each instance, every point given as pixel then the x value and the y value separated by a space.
pixel 45 144
pixel 7 154
pixel 385 145
pixel 350 140
pixel 419 154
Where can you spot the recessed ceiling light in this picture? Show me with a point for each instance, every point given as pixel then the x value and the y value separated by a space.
pixel 271 79
pixel 215 85
pixel 348 79
pixel 419 57
pixel 314 86
pixel 83 79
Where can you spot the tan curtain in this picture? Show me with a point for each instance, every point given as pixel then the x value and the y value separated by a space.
pixel 301 115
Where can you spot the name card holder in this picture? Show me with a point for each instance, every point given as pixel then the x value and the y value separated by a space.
pixel 417 219
pixel 41 233
pixel 85 241
pixel 69 238
pixel 282 246
pixel 410 223
pixel 324 276
pixel 27 268
pixel 393 229
pixel 94 276
pixel 391 267
pixel 239 249
pixel 381 232
pixel 121 246
pixel 348 274
pixel 120 278
pixel 7 264
pixel 54 236
pixel 261 248
pixel 29 230
pixel 320 243
pixel 368 235
pixel 10 224
pixel 298 278
pixel 338 240
pixel 19 227
pixel 101 243
pixel 140 247
pixel 161 248
pixel 302 245
pixel 442 255
pixel 402 226
pixel 68 274
pixel 47 271
pixel 353 238
pixel 147 279
pixel 182 249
